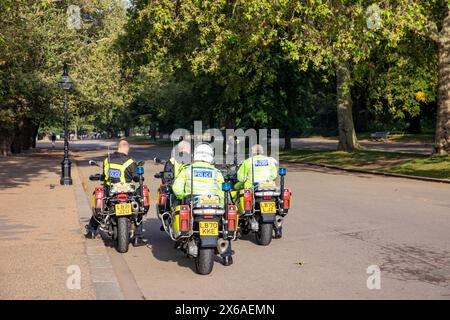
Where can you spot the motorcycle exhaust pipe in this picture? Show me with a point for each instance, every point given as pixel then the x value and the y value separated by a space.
pixel 222 245
pixel 135 206
pixel 278 221
pixel 192 249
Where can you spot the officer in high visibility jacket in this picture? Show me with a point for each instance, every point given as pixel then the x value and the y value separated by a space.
pixel 256 169
pixel 118 167
pixel 181 156
pixel 207 178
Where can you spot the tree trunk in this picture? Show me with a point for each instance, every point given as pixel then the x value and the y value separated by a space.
pixel 414 126
pixel 346 129
pixel 17 143
pixel 6 139
pixel 287 140
pixel 34 136
pixel 442 140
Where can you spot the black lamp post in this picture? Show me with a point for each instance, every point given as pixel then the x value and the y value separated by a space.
pixel 66 83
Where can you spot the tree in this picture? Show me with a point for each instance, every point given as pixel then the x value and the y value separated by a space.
pixel 35 41
pixel 442 38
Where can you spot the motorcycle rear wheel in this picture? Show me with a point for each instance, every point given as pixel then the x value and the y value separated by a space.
pixel 204 261
pixel 123 236
pixel 264 234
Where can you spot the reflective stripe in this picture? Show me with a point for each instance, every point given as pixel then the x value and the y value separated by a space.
pixel 115 166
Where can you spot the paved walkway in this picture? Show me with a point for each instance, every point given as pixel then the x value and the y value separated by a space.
pixel 331 144
pixel 40 232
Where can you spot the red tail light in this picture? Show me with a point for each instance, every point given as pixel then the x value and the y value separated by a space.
pixel 146 196
pixel 185 214
pixel 208 216
pixel 122 196
pixel 232 217
pixel 267 197
pixel 99 194
pixel 287 198
pixel 162 199
pixel 248 200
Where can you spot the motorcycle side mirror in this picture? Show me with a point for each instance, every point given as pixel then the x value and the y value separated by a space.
pixel 158 175
pixel 282 171
pixel 93 163
pixel 168 175
pixel 157 160
pixel 136 179
pixel 140 163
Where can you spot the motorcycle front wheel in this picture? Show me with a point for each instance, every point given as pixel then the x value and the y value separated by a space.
pixel 204 261
pixel 123 236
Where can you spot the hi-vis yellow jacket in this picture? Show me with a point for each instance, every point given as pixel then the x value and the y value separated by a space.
pixel 116 170
pixel 207 180
pixel 265 169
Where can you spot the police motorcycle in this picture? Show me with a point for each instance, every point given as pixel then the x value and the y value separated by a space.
pixel 164 194
pixel 200 226
pixel 262 209
pixel 120 207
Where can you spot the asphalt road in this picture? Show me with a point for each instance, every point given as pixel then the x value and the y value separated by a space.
pixel 339 225
pixel 314 142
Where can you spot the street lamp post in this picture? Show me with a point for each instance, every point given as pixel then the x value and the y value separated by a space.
pixel 66 83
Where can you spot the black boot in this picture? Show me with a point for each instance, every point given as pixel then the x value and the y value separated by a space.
pixel 278 233
pixel 138 240
pixel 90 233
pixel 227 256
pixel 91 228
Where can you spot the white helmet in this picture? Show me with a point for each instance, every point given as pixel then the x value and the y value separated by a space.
pixel 204 152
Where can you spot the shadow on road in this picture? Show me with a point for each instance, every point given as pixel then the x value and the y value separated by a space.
pixel 16 171
pixel 163 248
pixel 11 231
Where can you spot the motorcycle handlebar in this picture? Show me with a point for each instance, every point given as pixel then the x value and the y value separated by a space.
pixel 96 177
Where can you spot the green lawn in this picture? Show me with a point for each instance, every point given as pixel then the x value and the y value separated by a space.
pixel 382 161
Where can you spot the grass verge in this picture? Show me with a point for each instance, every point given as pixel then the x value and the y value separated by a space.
pixel 381 161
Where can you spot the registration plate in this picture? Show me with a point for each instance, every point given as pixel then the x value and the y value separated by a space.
pixel 123 209
pixel 268 207
pixel 209 228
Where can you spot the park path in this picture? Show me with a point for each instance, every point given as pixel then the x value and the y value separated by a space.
pixel 40 232
pixel 331 144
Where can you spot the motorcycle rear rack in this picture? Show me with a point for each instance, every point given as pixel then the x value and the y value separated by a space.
pixel 209 211
pixel 267 193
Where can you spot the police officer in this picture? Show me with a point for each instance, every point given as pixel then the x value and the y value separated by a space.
pixel 181 156
pixel 207 180
pixel 119 161
pixel 256 169
pixel 264 169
